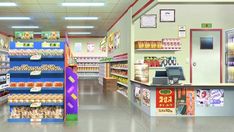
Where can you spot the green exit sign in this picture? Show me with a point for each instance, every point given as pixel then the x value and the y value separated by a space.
pixel 206 25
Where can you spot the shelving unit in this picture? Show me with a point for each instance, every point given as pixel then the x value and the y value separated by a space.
pixel 119 75
pixel 163 50
pixel 102 72
pixel 88 67
pixel 4 76
pixel 44 75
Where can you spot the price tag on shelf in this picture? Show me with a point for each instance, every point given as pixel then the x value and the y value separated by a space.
pixel 35 120
pixel 51 45
pixel 24 45
pixel 35 57
pixel 35 73
pixel 35 105
pixel 35 89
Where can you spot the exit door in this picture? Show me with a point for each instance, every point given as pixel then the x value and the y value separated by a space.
pixel 206 56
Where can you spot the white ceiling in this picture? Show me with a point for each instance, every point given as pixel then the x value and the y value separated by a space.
pixel 49 15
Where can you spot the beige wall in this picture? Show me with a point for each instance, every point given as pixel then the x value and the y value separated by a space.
pixel 84 42
pixel 190 15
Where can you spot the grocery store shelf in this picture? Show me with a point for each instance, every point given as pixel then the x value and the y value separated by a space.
pixel 122 93
pixel 158 49
pixel 3 51
pixel 3 98
pixel 44 89
pixel 119 75
pixel 88 71
pixel 157 67
pixel 28 72
pixel 122 84
pixel 87 61
pixel 88 66
pixel 114 61
pixel 43 57
pixel 31 120
pixel 119 68
pixel 4 61
pixel 42 104
pixel 4 67
pixel 3 73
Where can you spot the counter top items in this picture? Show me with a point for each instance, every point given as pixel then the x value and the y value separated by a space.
pixel 153 61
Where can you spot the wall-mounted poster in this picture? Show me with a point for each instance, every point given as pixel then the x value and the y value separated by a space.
pixel 167 15
pixel 148 21
pixel 146 97
pixel 90 47
pixel 50 35
pixel 111 42
pixel 26 35
pixel 185 101
pixel 137 94
pixel 117 40
pixel 77 47
pixel 165 101
pixel 103 45
pixel 210 97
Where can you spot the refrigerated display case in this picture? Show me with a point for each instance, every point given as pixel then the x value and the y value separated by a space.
pixel 229 56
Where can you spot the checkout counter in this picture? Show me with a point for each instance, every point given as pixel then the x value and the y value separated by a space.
pixel 170 98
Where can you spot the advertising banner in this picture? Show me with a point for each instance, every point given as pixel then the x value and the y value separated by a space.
pixel 146 97
pixel 165 101
pixel 50 35
pixel 137 94
pixel 210 97
pixel 26 35
pixel 90 47
pixel 185 101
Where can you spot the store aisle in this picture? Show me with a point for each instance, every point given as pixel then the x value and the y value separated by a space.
pixel 107 112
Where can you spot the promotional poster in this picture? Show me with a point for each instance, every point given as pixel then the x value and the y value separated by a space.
pixel 210 97
pixel 146 97
pixel 165 101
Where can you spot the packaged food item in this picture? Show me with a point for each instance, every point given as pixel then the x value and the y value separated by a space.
pixel 20 84
pixel 39 84
pixel 48 84
pixel 58 84
pixel 13 84
pixel 30 84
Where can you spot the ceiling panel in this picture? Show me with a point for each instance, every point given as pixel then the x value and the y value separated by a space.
pixel 49 15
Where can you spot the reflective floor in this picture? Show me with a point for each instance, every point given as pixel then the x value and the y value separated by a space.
pixel 111 112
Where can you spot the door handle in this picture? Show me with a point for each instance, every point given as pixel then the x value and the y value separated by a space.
pixel 226 58
pixel 194 64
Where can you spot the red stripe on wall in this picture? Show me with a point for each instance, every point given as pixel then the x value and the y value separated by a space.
pixel 143 7
pixel 122 15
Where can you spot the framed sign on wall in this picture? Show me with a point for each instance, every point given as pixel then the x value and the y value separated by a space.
pixel 167 15
pixel 148 21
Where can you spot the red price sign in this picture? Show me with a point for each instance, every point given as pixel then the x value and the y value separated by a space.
pixel 165 98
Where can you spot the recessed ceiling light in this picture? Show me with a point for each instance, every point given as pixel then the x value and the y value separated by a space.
pixel 15 18
pixel 80 26
pixel 78 33
pixel 81 18
pixel 7 4
pixel 25 27
pixel 83 4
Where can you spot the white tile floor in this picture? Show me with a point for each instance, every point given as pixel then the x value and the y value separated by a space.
pixel 111 112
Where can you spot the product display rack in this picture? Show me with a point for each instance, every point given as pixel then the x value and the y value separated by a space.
pixel 102 72
pixel 88 66
pixel 4 76
pixel 29 75
pixel 118 69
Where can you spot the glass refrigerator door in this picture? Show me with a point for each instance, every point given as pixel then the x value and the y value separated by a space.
pixel 229 60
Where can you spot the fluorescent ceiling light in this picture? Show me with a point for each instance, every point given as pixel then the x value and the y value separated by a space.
pixel 79 33
pixel 83 4
pixel 80 26
pixel 7 4
pixel 25 27
pixel 15 18
pixel 81 18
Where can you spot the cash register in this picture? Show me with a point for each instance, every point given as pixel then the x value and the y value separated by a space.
pixel 171 76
